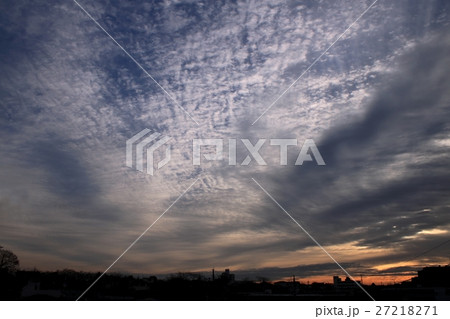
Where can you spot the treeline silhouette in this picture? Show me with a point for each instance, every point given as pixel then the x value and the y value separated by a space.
pixel 431 283
pixel 69 285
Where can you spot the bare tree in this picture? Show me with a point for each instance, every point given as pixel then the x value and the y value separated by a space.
pixel 8 261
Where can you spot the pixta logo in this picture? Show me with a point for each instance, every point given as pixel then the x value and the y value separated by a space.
pixel 143 141
pixel 147 143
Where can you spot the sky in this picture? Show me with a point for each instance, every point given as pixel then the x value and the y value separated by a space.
pixel 375 100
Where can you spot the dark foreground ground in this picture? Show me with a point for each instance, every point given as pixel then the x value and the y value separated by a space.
pixel 432 283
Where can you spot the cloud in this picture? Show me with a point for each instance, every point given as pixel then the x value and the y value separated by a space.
pixel 70 99
pixel 386 178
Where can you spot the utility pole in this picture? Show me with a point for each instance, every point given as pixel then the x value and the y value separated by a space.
pixel 293 284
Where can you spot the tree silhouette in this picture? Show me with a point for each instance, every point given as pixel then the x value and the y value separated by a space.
pixel 8 261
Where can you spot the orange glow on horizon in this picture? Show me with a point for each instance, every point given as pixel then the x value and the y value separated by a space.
pixel 366 280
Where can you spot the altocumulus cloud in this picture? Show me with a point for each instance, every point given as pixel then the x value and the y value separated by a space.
pixel 70 98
